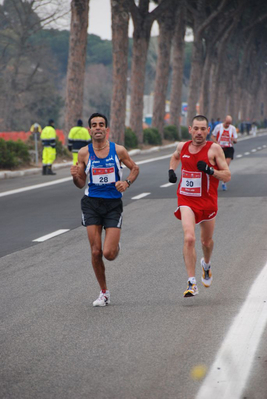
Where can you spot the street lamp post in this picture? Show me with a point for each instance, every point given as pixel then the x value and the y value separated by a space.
pixel 36 130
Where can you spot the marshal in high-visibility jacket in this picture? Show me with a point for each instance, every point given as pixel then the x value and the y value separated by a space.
pixel 78 137
pixel 48 137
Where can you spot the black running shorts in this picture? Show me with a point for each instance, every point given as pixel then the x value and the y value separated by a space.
pixel 101 212
pixel 229 152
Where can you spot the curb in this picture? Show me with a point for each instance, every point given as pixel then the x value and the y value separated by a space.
pixel 8 174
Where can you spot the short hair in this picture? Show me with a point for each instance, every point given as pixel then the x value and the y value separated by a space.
pixel 200 118
pixel 97 115
pixel 51 121
pixel 79 122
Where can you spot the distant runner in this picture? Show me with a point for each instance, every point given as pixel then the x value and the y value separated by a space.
pixel 225 134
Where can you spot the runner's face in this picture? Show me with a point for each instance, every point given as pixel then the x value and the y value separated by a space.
pixel 98 129
pixel 227 123
pixel 199 131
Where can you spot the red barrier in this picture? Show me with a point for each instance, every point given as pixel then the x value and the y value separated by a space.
pixel 15 136
pixel 23 136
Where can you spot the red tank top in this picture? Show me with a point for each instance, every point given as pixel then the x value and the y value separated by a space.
pixel 197 189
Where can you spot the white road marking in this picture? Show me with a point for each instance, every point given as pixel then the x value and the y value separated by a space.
pixel 153 159
pixel 140 196
pixel 41 185
pixel 247 153
pixel 229 373
pixel 239 156
pixel 254 150
pixel 51 235
pixel 167 185
pixel 259 148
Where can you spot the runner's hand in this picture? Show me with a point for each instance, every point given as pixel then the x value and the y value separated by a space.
pixel 204 167
pixel 172 176
pixel 75 170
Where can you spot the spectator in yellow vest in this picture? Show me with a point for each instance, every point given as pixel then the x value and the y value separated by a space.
pixel 48 137
pixel 78 137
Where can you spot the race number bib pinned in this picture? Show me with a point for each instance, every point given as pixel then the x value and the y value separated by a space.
pixel 103 175
pixel 225 140
pixel 191 183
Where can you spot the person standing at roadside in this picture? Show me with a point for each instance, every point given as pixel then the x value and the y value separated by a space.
pixel 101 163
pixel 225 135
pixel 78 137
pixel 202 166
pixel 48 137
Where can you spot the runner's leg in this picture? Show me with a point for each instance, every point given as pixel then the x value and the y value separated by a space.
pixel 188 223
pixel 206 234
pixel 111 243
pixel 94 236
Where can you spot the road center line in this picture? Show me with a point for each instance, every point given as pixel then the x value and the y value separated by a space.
pixel 51 235
pixel 140 196
pixel 166 185
pixel 228 374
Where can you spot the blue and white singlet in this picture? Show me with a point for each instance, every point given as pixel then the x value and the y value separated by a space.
pixel 103 173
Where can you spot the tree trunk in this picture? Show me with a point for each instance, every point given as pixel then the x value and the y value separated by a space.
pixel 142 20
pixel 166 30
pixel 177 70
pixel 120 22
pixel 202 19
pixel 221 98
pixel 242 78
pixel 204 100
pixel 233 89
pixel 195 76
pixel 76 63
pixel 140 48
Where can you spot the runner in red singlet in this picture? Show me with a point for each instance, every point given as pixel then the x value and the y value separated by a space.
pixel 225 134
pixel 203 164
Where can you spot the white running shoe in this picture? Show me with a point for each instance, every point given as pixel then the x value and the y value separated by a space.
pixel 191 290
pixel 206 277
pixel 103 299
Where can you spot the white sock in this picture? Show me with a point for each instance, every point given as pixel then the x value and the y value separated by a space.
pixel 192 280
pixel 205 265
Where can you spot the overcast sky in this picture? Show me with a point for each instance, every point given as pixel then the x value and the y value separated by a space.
pixel 100 20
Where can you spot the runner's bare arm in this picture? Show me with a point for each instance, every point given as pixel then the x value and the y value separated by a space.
pixel 234 139
pixel 77 171
pixel 175 158
pixel 218 156
pixel 130 164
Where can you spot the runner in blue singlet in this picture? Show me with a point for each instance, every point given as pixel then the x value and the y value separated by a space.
pixel 100 164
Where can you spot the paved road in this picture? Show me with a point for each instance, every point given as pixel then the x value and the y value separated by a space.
pixel 54 344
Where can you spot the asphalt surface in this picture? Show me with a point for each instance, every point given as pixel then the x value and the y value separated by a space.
pixel 54 344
